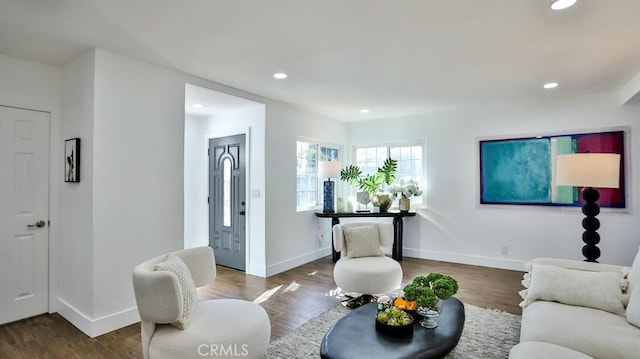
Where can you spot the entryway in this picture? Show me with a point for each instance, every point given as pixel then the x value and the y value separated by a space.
pixel 24 213
pixel 227 200
pixel 209 115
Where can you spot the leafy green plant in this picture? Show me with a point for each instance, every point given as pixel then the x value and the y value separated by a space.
pixel 371 183
pixel 426 290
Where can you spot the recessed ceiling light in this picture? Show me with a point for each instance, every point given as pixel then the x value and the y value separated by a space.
pixel 280 75
pixel 197 105
pixel 562 4
pixel 550 85
pixel 365 110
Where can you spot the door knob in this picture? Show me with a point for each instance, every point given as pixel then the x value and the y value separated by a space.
pixel 38 224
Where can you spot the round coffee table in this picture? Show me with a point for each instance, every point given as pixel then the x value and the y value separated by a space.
pixel 355 336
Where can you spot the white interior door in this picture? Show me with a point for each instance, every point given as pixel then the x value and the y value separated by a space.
pixel 24 213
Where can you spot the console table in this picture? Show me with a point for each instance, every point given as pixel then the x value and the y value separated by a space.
pixel 397 227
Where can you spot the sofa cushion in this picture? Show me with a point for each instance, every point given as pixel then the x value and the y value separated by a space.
pixel 599 290
pixel 633 308
pixel 362 241
pixel 634 273
pixel 591 331
pixel 537 350
pixel 176 265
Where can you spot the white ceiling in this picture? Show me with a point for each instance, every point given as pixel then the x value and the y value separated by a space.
pixel 396 58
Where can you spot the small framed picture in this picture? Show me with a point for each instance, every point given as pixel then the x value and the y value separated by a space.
pixel 72 160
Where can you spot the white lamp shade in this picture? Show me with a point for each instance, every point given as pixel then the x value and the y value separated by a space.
pixel 600 170
pixel 329 169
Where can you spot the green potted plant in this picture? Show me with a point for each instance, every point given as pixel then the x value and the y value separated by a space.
pixel 429 291
pixel 426 290
pixel 372 183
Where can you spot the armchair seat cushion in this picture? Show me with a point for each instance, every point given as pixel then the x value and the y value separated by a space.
pixel 219 328
pixel 369 275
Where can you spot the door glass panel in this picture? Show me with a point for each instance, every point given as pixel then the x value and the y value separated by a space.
pixel 226 192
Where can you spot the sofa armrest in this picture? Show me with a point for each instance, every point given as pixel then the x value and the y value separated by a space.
pixel 579 265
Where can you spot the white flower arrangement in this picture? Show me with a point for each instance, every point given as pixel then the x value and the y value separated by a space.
pixel 407 187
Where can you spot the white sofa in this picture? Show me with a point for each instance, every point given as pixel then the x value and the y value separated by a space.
pixel 574 309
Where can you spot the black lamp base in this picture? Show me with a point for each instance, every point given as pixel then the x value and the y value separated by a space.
pixel 591 224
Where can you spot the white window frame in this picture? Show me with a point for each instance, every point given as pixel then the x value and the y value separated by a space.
pixel 319 194
pixel 421 180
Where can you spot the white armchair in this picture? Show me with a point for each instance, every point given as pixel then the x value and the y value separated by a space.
pixel 217 328
pixel 362 267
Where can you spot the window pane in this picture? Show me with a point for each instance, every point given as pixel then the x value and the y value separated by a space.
pixel 410 165
pixel 370 158
pixel 308 186
pixel 328 154
pixel 409 158
pixel 226 192
pixel 306 174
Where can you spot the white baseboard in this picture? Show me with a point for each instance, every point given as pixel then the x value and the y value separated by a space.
pixel 99 326
pixel 259 271
pixel 297 261
pixel 492 262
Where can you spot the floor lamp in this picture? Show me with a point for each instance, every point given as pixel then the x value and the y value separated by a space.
pixel 328 170
pixel 589 170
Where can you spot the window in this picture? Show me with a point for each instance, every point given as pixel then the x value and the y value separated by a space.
pixel 226 192
pixel 409 157
pixel 308 189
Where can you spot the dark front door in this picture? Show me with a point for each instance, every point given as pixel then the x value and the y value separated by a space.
pixel 227 200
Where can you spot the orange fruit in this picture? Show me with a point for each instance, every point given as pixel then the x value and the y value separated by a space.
pixel 411 305
pixel 400 303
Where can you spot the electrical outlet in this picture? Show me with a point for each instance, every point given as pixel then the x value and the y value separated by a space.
pixel 505 251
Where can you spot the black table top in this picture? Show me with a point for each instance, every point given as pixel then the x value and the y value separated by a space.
pixel 365 214
pixel 355 336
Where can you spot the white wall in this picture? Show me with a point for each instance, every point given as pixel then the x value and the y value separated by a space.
pixel 34 86
pixel 198 131
pixel 196 190
pixel 75 247
pixel 292 237
pixel 138 177
pixel 454 228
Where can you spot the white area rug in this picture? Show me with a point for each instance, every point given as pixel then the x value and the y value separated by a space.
pixel 487 334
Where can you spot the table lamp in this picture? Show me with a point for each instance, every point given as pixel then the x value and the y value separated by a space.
pixel 328 170
pixel 589 170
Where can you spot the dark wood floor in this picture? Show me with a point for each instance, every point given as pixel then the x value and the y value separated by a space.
pixel 291 298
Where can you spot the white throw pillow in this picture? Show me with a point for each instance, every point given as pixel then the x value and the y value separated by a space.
pixel 362 241
pixel 633 309
pixel 176 265
pixel 600 290
pixel 634 273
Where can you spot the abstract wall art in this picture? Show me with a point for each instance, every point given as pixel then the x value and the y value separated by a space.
pixel 521 171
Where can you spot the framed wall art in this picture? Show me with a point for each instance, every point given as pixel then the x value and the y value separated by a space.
pixel 521 171
pixel 72 160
